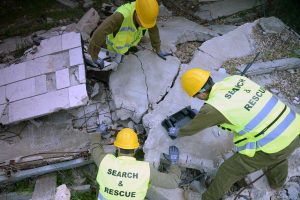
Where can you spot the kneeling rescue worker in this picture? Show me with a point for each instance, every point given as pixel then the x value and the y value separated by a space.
pixel 265 130
pixel 125 28
pixel 124 177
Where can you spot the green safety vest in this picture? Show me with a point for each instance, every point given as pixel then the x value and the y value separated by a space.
pixel 128 35
pixel 123 178
pixel 259 121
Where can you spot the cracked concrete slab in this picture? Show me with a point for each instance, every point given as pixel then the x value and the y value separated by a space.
pixel 225 8
pixel 237 43
pixel 182 30
pixel 141 81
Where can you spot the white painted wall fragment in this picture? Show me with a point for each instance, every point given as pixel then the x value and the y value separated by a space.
pixel 41 85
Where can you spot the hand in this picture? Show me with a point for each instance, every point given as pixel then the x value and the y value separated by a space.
pixel 173 156
pixel 100 63
pixel 163 54
pixel 173 132
pixel 102 129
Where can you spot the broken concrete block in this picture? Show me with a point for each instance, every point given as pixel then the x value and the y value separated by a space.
pixel 182 30
pixel 76 56
pixel 49 46
pixel 62 193
pixel 71 40
pixel 77 95
pixel 42 104
pixel 88 23
pixel 271 25
pixel 218 9
pixel 62 78
pixel 270 66
pixel 45 187
pixel 237 43
pixel 81 188
pixel 20 90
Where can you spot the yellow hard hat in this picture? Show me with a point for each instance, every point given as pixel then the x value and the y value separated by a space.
pixel 193 80
pixel 127 139
pixel 147 11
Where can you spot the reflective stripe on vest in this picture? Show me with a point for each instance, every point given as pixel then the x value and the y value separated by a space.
pixel 272 135
pixel 260 116
pixel 258 120
pixel 123 178
pixel 128 35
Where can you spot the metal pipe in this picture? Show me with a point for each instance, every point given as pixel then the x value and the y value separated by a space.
pixel 20 175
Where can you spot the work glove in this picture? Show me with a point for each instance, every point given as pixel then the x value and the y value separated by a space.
pixel 102 129
pixel 173 155
pixel 163 54
pixel 173 132
pixel 100 63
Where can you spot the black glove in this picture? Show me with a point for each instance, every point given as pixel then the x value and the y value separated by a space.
pixel 163 55
pixel 100 63
pixel 173 156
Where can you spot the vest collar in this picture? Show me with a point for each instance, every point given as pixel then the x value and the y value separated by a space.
pixel 126 158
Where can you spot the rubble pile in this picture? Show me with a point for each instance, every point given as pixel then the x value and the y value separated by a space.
pixel 145 89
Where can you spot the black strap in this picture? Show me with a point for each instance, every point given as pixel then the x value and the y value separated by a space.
pixel 266 128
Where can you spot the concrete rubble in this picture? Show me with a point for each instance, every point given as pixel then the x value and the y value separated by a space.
pixel 88 23
pixel 223 8
pixel 55 72
pixel 143 91
pixel 268 67
pixel 62 193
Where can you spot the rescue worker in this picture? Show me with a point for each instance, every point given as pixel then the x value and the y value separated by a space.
pixel 125 28
pixel 265 130
pixel 124 177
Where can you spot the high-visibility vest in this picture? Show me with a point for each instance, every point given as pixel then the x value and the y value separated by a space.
pixel 259 121
pixel 128 35
pixel 123 178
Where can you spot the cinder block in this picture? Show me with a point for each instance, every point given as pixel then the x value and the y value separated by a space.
pixel 20 90
pixel 71 40
pixel 39 105
pixel 40 85
pixel 81 74
pixel 78 95
pixel 75 56
pixel 12 74
pixel 62 78
pixel 2 95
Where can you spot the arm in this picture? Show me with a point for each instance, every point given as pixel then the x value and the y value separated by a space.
pixel 110 25
pixel 96 149
pixel 154 37
pixel 164 180
pixel 207 117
